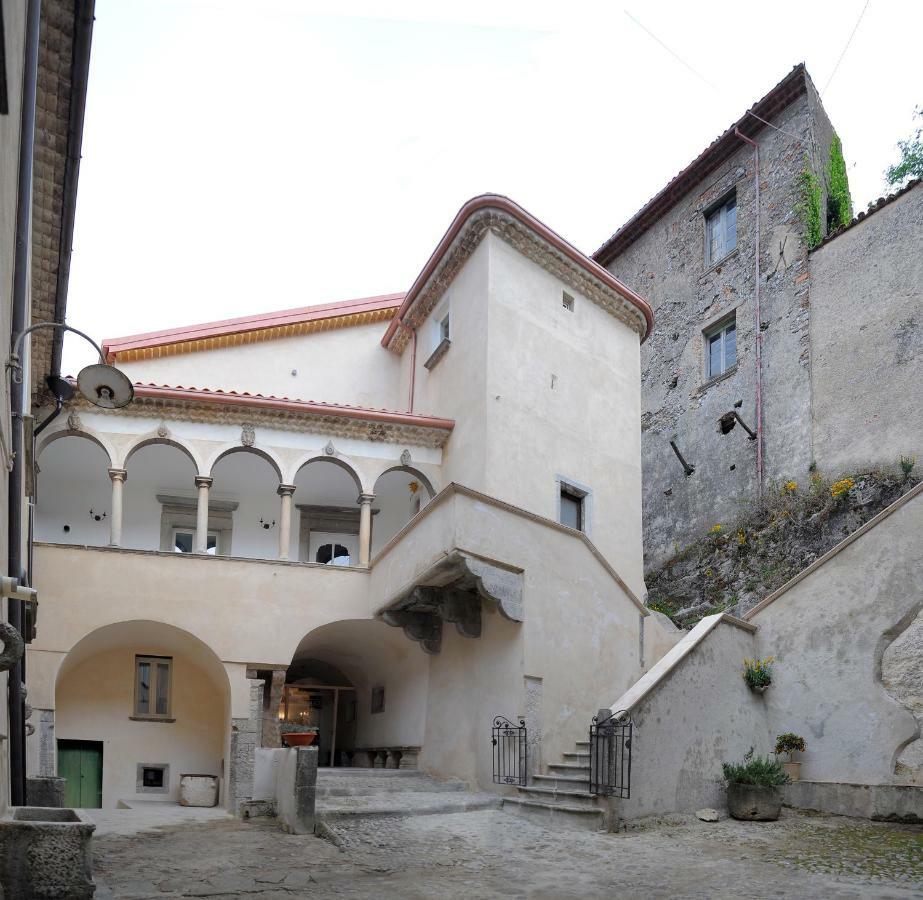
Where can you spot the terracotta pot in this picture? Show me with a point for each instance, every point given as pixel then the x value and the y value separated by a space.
pixel 754 804
pixel 793 769
pixel 298 738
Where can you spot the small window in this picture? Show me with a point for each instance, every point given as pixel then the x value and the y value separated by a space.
pixel 567 301
pixel 184 541
pixel 444 328
pixel 572 508
pixel 720 231
pixel 721 347
pixel 335 554
pixel 153 778
pixel 153 687
pixel 378 700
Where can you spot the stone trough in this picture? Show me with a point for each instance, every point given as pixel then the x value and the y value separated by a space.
pixel 45 852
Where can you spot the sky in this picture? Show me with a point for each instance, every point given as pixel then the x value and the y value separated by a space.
pixel 241 156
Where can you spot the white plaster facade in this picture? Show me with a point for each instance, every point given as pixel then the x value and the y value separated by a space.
pixel 440 475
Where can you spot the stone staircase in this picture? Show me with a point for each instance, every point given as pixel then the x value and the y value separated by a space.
pixel 351 794
pixel 561 798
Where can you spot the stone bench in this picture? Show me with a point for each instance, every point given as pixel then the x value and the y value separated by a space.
pixel 385 758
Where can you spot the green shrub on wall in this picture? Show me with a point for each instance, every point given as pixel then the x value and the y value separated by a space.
pixel 810 207
pixel 839 203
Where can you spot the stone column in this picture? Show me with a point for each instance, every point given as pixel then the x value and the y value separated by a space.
pixel 272 700
pixel 118 477
pixel 203 484
pixel 285 491
pixel 365 528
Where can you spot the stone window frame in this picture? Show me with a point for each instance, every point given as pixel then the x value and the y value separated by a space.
pixel 440 331
pixel 153 660
pixel 567 301
pixel 180 513
pixel 708 329
pixel 140 787
pixel 709 214
pixel 580 491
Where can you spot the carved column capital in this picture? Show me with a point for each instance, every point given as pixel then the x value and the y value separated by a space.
pixel 118 475
pixel 285 490
pixel 203 481
pixel 365 499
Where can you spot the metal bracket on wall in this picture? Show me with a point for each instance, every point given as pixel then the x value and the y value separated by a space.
pixel 688 468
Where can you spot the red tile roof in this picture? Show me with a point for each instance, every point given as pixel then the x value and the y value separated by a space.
pixel 789 88
pixel 260 322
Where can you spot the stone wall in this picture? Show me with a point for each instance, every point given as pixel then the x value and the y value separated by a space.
pixel 867 339
pixel 245 738
pixel 667 266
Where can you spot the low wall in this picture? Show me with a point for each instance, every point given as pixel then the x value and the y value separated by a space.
pixel 692 712
pixel 846 676
pixel 296 789
pixel 882 802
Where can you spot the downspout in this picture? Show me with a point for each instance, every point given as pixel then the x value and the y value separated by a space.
pixel 413 362
pixel 19 392
pixel 756 313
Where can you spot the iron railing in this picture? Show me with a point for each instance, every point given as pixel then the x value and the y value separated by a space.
pixel 510 751
pixel 610 755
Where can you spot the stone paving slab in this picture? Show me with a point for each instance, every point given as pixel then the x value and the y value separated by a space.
pixel 490 854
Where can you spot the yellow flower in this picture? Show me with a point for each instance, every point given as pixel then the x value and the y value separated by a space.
pixel 838 488
pixel 716 529
pixel 791 486
pixel 741 538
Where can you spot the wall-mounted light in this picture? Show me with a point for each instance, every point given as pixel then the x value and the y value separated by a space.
pixel 97 517
pixel 267 525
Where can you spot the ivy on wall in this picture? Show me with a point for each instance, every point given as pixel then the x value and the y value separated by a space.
pixel 839 203
pixel 809 207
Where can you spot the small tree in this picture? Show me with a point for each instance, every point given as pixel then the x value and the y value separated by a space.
pixel 911 164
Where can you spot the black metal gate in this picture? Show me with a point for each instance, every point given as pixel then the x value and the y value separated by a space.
pixel 610 755
pixel 511 751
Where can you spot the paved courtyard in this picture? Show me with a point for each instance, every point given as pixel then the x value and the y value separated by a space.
pixel 491 854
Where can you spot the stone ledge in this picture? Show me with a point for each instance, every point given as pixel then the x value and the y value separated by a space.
pixel 879 802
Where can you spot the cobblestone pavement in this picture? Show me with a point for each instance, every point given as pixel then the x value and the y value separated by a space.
pixel 491 854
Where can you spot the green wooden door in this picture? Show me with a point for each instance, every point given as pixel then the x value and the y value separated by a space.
pixel 81 763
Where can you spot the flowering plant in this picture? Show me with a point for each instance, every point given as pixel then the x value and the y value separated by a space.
pixel 789 743
pixel 758 672
pixel 843 486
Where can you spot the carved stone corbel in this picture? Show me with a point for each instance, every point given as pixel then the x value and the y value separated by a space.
pixel 423 627
pixel 463 608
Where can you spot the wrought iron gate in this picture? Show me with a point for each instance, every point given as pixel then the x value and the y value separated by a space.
pixel 511 751
pixel 610 755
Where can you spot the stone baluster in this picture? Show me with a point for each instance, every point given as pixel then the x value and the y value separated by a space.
pixel 285 492
pixel 118 477
pixel 203 485
pixel 365 528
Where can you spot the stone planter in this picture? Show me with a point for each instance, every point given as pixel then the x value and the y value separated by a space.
pixel 760 688
pixel 298 738
pixel 754 804
pixel 793 770
pixel 198 790
pixel 46 853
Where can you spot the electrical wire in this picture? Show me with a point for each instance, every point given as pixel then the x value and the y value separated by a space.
pixel 848 42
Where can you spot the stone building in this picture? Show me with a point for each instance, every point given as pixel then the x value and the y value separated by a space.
pixel 379 517
pixel 44 61
pixel 731 397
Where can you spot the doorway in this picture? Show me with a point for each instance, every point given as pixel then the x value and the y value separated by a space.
pixel 81 763
pixel 332 710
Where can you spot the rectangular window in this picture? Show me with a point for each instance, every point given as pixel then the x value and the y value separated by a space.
pixel 571 509
pixel 152 686
pixel 720 231
pixel 567 301
pixel 444 328
pixel 184 541
pixel 721 346
pixel 378 700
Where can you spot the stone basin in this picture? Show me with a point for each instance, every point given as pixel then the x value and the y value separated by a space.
pixel 45 852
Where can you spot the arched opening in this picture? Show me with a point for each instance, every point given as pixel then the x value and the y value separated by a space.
pixel 363 685
pixel 245 490
pixel 159 499
pixel 400 493
pixel 139 704
pixel 73 492
pixel 326 503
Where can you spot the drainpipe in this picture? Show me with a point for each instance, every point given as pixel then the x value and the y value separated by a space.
pixel 413 362
pixel 19 393
pixel 756 312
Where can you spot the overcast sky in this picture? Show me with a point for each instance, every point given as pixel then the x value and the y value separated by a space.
pixel 240 157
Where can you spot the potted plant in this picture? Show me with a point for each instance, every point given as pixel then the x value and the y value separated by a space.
pixel 758 674
pixel 295 735
pixel 789 743
pixel 753 788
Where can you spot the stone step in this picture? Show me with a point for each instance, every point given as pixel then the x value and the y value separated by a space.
pixel 562 782
pixel 566 797
pixel 370 783
pixel 583 744
pixel 569 768
pixel 554 815
pixel 579 756
pixel 341 809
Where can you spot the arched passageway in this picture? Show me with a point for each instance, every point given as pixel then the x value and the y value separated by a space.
pixel 245 490
pixel 380 698
pixel 138 705
pixel 326 502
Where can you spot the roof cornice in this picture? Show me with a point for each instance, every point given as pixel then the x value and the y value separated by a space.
pixel 751 123
pixel 532 238
pixel 251 329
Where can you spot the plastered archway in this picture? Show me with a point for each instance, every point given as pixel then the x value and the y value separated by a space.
pixel 96 704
